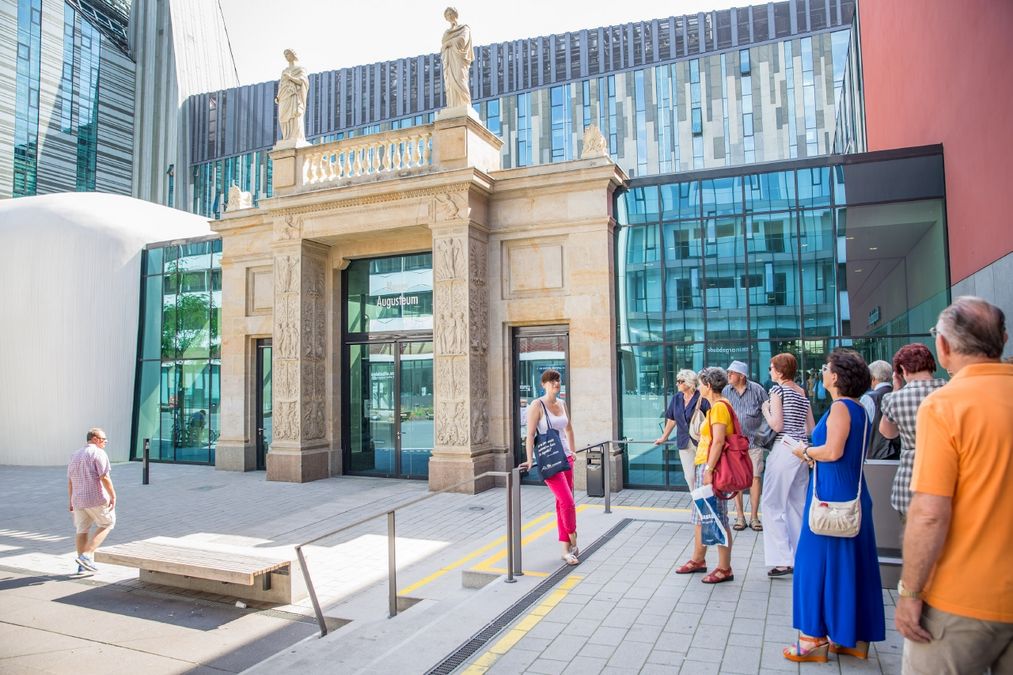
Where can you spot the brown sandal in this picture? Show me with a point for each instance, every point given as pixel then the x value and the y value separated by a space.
pixel 756 525
pixel 740 524
pixel 719 575
pixel 693 566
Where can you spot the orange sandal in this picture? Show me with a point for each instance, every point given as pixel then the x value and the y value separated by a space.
pixel 816 652
pixel 859 651
pixel 719 575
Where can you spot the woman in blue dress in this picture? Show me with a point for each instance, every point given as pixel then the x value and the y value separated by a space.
pixel 838 598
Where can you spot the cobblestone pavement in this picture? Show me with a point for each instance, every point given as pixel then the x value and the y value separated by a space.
pixel 623 611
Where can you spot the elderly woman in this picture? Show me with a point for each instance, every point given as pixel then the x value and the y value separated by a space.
pixel 838 601
pixel 712 442
pixel 913 380
pixel 788 412
pixel 680 412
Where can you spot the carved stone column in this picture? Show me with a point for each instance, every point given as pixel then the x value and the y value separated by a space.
pixel 300 447
pixel 461 336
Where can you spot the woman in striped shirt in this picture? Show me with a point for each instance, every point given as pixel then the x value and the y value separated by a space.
pixel 784 483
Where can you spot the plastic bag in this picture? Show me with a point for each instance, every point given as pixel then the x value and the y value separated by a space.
pixel 711 530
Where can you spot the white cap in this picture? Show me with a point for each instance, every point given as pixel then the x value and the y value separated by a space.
pixel 738 367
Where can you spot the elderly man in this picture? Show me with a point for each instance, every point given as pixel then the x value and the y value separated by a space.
pixel 747 399
pixel 880 447
pixel 91 497
pixel 956 588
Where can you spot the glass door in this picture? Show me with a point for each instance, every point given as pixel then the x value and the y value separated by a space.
pixel 264 402
pixel 536 349
pixel 390 408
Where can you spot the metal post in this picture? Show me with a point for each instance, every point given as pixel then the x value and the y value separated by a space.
pixel 510 529
pixel 312 591
pixel 391 567
pixel 607 461
pixel 145 461
pixel 515 479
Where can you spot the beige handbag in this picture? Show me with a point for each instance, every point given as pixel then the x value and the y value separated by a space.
pixel 839 519
pixel 697 420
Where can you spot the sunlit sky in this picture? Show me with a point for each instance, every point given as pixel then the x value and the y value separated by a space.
pixel 339 34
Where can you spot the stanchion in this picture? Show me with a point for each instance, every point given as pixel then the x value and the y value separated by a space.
pixel 515 507
pixel 510 529
pixel 607 461
pixel 145 461
pixel 391 566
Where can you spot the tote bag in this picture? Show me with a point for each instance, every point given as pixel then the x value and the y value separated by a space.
pixel 696 421
pixel 734 471
pixel 839 519
pixel 549 453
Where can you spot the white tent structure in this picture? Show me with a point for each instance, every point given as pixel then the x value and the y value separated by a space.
pixel 69 293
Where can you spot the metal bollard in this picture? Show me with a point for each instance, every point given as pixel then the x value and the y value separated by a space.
pixel 608 476
pixel 391 567
pixel 510 530
pixel 145 461
pixel 515 479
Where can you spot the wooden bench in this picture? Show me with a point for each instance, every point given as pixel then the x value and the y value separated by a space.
pixel 221 572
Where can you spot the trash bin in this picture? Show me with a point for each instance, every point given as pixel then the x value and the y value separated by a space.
pixel 596 471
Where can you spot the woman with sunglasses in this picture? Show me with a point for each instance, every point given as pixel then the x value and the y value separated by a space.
pixel 681 410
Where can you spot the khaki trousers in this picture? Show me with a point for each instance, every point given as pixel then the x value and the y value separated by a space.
pixel 960 646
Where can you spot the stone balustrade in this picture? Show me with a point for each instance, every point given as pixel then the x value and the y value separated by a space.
pixel 390 152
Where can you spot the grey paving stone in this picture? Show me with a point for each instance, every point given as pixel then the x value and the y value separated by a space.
pixel 597 651
pixel 713 617
pixel 748 626
pixel 584 664
pixel 532 644
pixel 608 636
pixel 621 618
pixel 675 642
pixel 697 653
pixel 646 633
pixel 665 658
pixel 546 629
pixel 629 655
pixel 515 661
pixel 547 667
pixel 563 649
pixel 699 668
pixel 581 626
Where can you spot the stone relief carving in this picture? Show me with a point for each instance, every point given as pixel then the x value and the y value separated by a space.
pixel 285 376
pixel 452 424
pixel 314 311
pixel 451 377
pixel 314 426
pixel 479 420
pixel 449 254
pixel 451 332
pixel 478 262
pixel 238 199
pixel 479 330
pixel 452 206
pixel 287 274
pixel 290 228
pixel 286 420
pixel 286 326
pixel 594 143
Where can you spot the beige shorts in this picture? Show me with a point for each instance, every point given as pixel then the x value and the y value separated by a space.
pixel 756 454
pixel 102 517
pixel 959 644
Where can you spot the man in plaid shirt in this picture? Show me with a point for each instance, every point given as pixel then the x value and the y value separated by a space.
pixel 91 497
pixel 913 380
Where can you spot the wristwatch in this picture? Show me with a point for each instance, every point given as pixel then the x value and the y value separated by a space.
pixel 906 593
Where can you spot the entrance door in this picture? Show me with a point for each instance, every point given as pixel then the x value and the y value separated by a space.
pixel 389 409
pixel 264 402
pixel 536 349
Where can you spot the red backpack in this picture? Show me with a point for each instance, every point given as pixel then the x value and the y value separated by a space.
pixel 734 470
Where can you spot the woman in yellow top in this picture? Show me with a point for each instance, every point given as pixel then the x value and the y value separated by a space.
pixel 712 442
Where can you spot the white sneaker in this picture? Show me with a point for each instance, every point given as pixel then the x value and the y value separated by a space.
pixel 86 562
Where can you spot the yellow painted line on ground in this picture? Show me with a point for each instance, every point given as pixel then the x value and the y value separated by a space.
pixel 521 628
pixel 486 565
pixel 529 573
pixel 499 541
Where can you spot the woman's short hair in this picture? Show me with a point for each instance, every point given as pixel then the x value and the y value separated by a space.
pixel 786 364
pixel 688 376
pixel 853 378
pixel 551 375
pixel 715 378
pixel 915 358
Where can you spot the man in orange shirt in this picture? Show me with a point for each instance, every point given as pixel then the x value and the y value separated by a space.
pixel 956 589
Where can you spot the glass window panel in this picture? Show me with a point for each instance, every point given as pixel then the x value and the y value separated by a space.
pixel 390 294
pixel 193 321
pixel 146 407
pixel 814 187
pixel 214 407
pixel 818 270
pixel 680 200
pixel 195 255
pixel 192 441
pixel 170 413
pixel 764 351
pixel 151 322
pixel 684 304
pixel 722 196
pixel 770 191
pixel 722 353
pixel 642 205
pixel 724 277
pixel 772 248
pixel 153 261
pixel 642 383
pixel 640 284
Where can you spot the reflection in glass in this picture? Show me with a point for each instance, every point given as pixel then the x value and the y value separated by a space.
pixel 371 408
pixel 683 281
pixel 725 279
pixel 534 355
pixel 819 289
pixel 416 413
pixel 390 294
pixel 639 281
pixel 642 386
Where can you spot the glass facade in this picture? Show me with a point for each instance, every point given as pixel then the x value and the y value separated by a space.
pixel 388 348
pixel 178 381
pixel 26 98
pixel 718 267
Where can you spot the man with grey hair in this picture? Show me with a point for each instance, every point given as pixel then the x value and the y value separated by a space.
pixel 880 447
pixel 91 497
pixel 747 399
pixel 954 608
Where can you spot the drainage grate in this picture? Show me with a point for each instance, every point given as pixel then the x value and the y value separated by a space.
pixel 486 634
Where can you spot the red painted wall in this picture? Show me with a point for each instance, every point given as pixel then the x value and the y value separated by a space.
pixel 941 71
